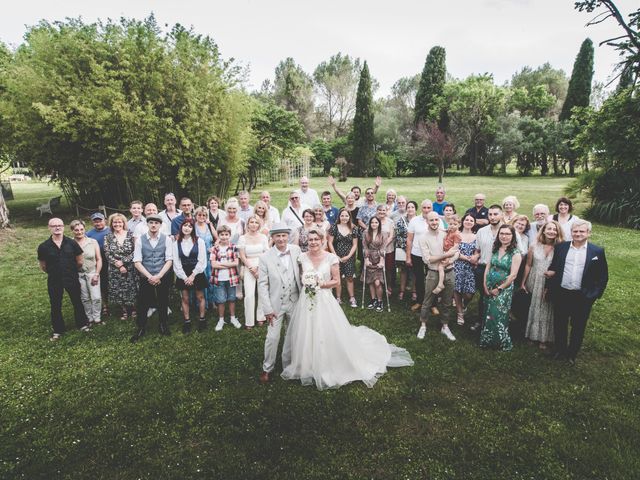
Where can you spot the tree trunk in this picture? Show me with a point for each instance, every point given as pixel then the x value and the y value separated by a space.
pixel 555 164
pixel 4 212
pixel 474 158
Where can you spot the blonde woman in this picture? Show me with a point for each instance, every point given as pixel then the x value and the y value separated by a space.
pixel 261 209
pixel 123 279
pixel 251 246
pixel 89 273
pixel 510 205
pixel 540 321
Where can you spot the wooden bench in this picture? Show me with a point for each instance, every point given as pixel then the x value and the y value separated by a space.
pixel 49 206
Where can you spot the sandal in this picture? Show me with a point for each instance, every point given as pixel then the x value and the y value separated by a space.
pixel 414 296
pixel 461 319
pixel 55 337
pixel 401 296
pixel 134 314
pixel 124 315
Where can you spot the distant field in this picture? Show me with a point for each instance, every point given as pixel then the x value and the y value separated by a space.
pixel 191 407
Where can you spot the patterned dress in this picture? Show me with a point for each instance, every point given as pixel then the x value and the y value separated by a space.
pixel 540 323
pixel 303 239
pixel 123 287
pixel 465 281
pixel 496 332
pixel 207 237
pixel 374 251
pixel 342 245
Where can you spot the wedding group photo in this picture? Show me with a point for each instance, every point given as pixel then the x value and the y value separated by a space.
pixel 363 264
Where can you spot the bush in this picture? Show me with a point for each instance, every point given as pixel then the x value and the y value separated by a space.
pixel 386 165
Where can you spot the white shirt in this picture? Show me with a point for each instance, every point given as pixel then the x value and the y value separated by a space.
pixel 418 226
pixel 533 233
pixel 484 240
pixel 187 246
pixel 166 221
pixel 245 214
pixel 132 223
pixel 137 248
pixel 522 243
pixel 290 219
pixel 574 267
pixel 274 215
pixel 310 197
pixel 284 257
pixel 223 273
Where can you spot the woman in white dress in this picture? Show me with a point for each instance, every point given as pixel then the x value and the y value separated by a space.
pixel 251 247
pixel 321 345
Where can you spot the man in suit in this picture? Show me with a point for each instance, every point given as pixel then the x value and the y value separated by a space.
pixel 576 278
pixel 278 291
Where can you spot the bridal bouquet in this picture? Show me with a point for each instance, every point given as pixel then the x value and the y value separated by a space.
pixel 311 285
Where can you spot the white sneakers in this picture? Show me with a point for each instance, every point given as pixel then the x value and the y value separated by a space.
pixel 235 322
pixel 422 332
pixel 219 325
pixel 444 330
pixel 447 333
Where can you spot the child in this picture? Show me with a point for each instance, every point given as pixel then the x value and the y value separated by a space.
pixel 224 263
pixel 452 240
pixel 374 242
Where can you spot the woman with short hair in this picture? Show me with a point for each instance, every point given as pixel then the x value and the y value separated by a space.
pixel 510 205
pixel 89 273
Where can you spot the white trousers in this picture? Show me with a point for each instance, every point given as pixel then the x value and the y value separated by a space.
pixel 251 295
pixel 90 296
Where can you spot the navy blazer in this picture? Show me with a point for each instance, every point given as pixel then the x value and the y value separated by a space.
pixel 594 277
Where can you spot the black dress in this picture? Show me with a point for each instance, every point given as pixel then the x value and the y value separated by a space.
pixel 342 245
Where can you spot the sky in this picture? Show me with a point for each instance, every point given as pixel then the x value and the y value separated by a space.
pixel 394 36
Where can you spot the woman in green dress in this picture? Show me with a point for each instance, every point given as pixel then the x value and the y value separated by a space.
pixel 499 276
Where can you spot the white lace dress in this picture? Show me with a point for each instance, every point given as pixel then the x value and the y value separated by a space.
pixel 322 347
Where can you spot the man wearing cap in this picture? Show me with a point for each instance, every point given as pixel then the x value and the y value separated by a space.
pixel 152 257
pixel 278 291
pixel 98 232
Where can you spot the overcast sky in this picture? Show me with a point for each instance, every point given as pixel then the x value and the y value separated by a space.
pixel 394 36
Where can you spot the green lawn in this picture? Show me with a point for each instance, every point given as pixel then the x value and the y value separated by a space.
pixel 95 406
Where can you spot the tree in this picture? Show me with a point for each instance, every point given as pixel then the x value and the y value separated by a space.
pixel 435 145
pixel 293 90
pixel 336 81
pixel 363 139
pixel 473 106
pixel 627 44
pixel 431 86
pixel 555 81
pixel 579 89
pixel 323 155
pixel 118 110
pixel 536 102
pixel 276 133
pixel 578 93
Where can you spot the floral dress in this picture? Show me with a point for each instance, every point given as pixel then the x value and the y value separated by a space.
pixel 540 320
pixel 123 287
pixel 496 332
pixel 465 281
pixel 303 239
pixel 342 245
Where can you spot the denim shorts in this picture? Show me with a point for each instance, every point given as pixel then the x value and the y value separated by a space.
pixel 224 292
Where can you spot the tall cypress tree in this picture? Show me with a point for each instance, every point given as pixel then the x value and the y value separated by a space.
pixel 578 94
pixel 363 126
pixel 431 84
pixel 580 84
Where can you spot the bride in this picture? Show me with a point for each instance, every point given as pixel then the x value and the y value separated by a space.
pixel 321 345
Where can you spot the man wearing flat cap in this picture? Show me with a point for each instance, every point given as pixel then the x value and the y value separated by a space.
pixel 152 257
pixel 278 290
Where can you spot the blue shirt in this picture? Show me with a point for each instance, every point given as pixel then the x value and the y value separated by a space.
pixel 439 207
pixel 332 215
pixel 98 236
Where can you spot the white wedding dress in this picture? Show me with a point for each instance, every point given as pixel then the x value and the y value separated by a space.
pixel 322 347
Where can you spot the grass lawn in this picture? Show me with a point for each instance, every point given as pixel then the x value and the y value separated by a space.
pixel 96 406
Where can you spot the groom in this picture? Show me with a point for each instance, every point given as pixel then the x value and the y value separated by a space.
pixel 278 291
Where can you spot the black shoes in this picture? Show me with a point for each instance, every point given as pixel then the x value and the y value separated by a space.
pixel 379 306
pixel 164 329
pixel 202 325
pixel 372 304
pixel 138 335
pixel 186 328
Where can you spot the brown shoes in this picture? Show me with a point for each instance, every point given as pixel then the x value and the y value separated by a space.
pixel 415 307
pixel 264 377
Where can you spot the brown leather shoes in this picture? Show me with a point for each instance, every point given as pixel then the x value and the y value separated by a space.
pixel 264 377
pixel 415 307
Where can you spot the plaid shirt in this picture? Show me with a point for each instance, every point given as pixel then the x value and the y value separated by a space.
pixel 231 255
